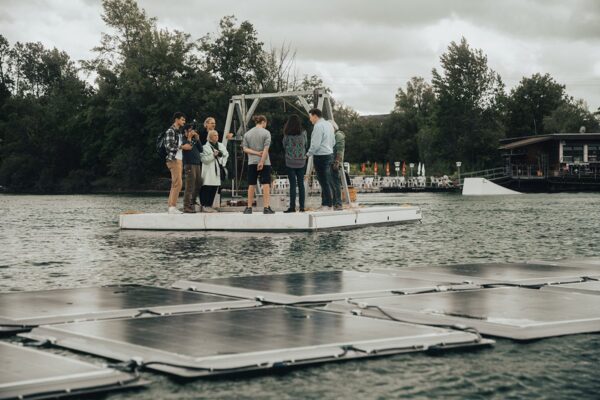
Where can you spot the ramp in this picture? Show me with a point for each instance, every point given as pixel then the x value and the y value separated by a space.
pixel 483 187
pixel 237 341
pixel 314 287
pixel 279 222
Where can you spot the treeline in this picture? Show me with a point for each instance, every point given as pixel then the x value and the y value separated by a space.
pixel 463 113
pixel 58 133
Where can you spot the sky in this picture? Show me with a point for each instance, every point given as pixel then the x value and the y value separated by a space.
pixel 363 50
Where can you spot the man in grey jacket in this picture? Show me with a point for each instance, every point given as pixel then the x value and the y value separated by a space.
pixel 337 169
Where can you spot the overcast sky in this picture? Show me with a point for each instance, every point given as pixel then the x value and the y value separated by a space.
pixel 363 50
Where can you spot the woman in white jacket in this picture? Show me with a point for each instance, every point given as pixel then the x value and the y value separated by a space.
pixel 214 155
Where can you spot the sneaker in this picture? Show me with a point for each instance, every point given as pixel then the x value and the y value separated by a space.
pixel 209 210
pixel 268 210
pixel 290 210
pixel 248 210
pixel 174 210
pixel 302 210
pixel 338 208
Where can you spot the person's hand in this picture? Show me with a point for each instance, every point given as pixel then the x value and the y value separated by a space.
pixel 229 136
pixel 216 152
pixel 259 153
pixel 186 146
pixel 336 165
pixel 260 166
pixel 196 135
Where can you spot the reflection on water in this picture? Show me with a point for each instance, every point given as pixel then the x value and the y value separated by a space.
pixel 73 241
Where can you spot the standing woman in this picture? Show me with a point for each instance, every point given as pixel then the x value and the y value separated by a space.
pixel 214 158
pixel 294 145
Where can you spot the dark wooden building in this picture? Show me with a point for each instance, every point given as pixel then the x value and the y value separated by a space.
pixel 554 162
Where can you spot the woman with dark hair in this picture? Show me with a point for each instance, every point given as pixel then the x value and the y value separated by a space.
pixel 294 145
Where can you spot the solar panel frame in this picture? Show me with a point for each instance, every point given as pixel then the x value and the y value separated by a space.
pixel 531 273
pixel 383 307
pixel 588 287
pixel 260 350
pixel 392 285
pixel 11 324
pixel 43 385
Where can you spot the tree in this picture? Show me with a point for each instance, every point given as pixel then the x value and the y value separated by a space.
pixel 530 102
pixel 569 117
pixel 466 120
pixel 235 56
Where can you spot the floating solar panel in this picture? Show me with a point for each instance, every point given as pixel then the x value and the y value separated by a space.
pixel 500 273
pixel 590 263
pixel 21 310
pixel 33 374
pixel 235 341
pixel 298 288
pixel 589 287
pixel 510 312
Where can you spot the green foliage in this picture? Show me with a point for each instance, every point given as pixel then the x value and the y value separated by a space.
pixel 570 116
pixel 466 122
pixel 530 102
pixel 58 133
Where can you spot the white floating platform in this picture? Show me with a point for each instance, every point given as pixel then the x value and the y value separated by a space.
pixel 279 222
pixel 483 187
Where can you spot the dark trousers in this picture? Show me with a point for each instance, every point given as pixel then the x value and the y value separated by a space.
pixel 323 170
pixel 193 183
pixel 207 195
pixel 336 185
pixel 296 177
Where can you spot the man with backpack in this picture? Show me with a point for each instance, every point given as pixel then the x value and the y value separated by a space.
pixel 172 146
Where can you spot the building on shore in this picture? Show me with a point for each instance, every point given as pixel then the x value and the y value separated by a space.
pixel 553 163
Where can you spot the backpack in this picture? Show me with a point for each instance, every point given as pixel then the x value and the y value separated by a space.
pixel 160 145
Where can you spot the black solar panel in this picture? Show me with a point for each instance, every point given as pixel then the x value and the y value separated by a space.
pixel 501 273
pixel 312 286
pixel 516 313
pixel 64 305
pixel 30 373
pixel 230 341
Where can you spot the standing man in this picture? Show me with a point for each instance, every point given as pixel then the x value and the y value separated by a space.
pixel 322 142
pixel 174 159
pixel 192 165
pixel 256 144
pixel 337 169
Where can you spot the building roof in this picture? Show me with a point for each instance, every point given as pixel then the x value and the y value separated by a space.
pixel 513 143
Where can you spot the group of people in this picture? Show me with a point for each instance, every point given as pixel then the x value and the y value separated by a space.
pixel 204 164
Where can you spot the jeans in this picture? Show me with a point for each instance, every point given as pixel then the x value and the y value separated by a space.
pixel 296 177
pixel 193 183
pixel 336 185
pixel 175 166
pixel 323 170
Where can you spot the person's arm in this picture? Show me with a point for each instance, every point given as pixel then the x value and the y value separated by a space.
pixel 315 140
pixel 340 145
pixel 225 154
pixel 207 156
pixel 265 152
pixel 171 144
pixel 248 150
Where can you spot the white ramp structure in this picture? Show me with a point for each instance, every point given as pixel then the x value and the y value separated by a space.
pixel 483 187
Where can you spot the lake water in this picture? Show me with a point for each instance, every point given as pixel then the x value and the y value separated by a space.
pixel 68 241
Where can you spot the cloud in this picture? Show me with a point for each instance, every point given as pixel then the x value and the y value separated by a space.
pixel 363 50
